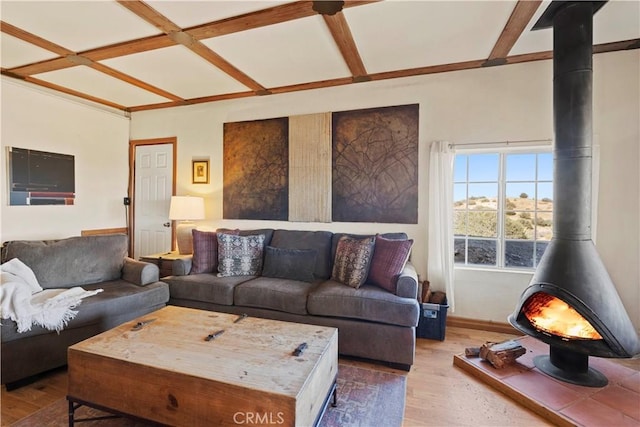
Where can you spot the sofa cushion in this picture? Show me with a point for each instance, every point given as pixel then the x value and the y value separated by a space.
pixel 320 241
pixel 74 261
pixel 204 287
pixel 118 298
pixel 353 256
pixel 368 302
pixel 239 255
pixel 388 261
pixel 275 294
pixel 293 264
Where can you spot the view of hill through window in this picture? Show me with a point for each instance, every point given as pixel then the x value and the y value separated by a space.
pixel 503 208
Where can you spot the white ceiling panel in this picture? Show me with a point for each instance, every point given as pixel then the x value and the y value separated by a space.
pixel 191 13
pixel 16 52
pixel 178 71
pixel 283 48
pixel 87 80
pixel 77 25
pixel 624 13
pixel 299 51
pixel 402 35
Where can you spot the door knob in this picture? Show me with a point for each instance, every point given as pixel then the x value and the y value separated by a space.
pixel 166 224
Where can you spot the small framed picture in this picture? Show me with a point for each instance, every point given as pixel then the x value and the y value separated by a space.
pixel 200 172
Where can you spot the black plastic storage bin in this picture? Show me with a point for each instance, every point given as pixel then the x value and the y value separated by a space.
pixel 433 321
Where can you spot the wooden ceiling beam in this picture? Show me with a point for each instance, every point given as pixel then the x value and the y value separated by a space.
pixel 434 69
pixel 274 15
pixel 175 33
pixel 33 39
pixel 41 66
pixel 615 46
pixel 59 63
pixel 224 65
pixel 68 91
pixel 341 33
pixel 129 47
pixel 598 48
pixel 520 17
pixel 261 18
pixel 133 81
pixel 150 15
pixel 69 59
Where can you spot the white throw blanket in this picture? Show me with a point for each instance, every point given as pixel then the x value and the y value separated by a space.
pixel 26 303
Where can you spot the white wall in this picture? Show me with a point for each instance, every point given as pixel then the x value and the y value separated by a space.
pixel 496 104
pixel 99 139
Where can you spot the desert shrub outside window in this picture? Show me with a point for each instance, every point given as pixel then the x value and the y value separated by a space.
pixel 502 207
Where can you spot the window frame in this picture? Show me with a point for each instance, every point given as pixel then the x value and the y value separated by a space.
pixel 500 239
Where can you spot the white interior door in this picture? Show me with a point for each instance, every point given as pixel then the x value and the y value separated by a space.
pixel 153 190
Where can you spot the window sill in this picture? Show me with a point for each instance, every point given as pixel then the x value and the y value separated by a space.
pixel 494 269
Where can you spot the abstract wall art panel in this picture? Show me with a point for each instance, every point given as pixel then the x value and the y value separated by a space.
pixel 310 168
pixel 256 170
pixel 375 165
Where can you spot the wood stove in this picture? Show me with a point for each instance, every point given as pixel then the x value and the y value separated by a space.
pixel 571 303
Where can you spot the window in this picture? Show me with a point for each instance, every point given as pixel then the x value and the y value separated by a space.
pixel 503 208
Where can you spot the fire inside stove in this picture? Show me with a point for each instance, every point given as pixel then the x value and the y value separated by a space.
pixel 554 316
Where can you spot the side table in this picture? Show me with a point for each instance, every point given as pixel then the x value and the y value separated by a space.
pixel 164 261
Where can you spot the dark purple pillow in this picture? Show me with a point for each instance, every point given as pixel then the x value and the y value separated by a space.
pixel 205 252
pixel 388 261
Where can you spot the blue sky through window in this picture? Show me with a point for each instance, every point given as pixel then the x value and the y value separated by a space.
pixel 482 173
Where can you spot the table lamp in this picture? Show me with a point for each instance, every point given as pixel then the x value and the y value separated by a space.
pixel 185 209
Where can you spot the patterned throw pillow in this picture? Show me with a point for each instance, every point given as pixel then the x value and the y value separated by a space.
pixel 205 252
pixel 239 255
pixel 389 259
pixel 353 256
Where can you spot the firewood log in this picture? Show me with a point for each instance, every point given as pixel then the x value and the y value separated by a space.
pixel 472 351
pixel 437 297
pixel 501 354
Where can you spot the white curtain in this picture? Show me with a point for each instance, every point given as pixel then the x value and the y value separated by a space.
pixel 440 260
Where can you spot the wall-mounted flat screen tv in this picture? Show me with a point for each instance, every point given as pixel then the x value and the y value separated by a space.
pixel 41 178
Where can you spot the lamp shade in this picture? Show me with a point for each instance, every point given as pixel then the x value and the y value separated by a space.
pixel 186 208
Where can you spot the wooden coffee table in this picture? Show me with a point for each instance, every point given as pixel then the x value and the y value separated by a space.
pixel 161 367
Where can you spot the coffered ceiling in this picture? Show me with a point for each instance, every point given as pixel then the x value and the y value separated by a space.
pixel 140 55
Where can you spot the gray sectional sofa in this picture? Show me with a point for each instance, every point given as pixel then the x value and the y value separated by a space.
pixel 130 289
pixel 373 322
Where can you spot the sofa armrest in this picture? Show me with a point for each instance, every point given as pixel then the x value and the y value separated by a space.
pixel 408 282
pixel 182 266
pixel 139 272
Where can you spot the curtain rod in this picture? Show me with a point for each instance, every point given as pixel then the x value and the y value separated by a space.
pixel 502 143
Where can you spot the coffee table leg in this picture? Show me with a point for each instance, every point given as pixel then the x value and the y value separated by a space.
pixel 332 398
pixel 72 411
pixel 334 401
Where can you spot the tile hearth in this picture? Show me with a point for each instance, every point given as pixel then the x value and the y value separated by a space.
pixel 562 403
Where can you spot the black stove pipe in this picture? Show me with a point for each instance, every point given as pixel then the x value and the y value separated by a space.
pixel 571 268
pixel 573 106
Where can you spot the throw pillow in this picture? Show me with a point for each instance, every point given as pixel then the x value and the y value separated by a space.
pixel 205 252
pixel 239 255
pixel 351 264
pixel 389 259
pixel 293 264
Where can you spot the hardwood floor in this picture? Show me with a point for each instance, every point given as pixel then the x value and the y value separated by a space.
pixel 438 393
